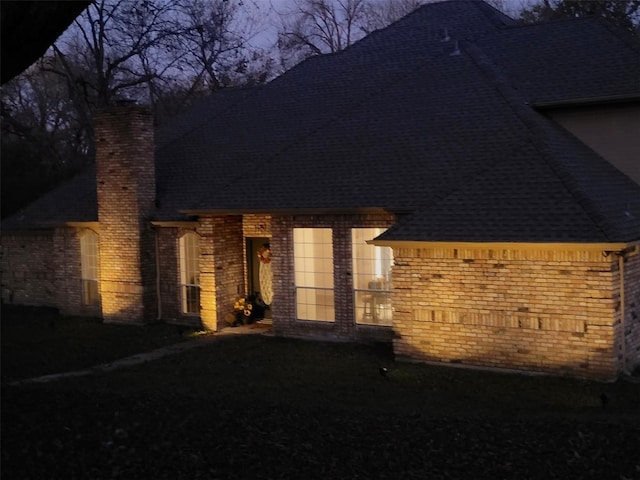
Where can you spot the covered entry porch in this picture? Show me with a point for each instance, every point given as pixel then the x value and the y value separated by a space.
pixel 324 278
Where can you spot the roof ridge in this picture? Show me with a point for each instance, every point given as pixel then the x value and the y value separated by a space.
pixel 494 15
pixel 628 38
pixel 538 138
pixel 348 111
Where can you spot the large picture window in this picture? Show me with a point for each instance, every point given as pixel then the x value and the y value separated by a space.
pixel 313 263
pixel 89 267
pixel 371 278
pixel 190 273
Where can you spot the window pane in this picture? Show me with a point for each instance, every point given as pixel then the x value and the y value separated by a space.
pixel 191 295
pixel 90 294
pixel 190 273
pixel 315 304
pixel 371 278
pixel 313 265
pixel 89 268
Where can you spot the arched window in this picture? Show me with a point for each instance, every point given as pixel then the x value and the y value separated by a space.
pixel 190 273
pixel 89 268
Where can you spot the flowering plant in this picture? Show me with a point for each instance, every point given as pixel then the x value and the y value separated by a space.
pixel 243 307
pixel 248 309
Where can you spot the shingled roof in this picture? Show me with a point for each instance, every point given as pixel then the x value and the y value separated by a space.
pixel 430 118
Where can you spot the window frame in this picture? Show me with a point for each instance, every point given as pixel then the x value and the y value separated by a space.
pixel 189 272
pixel 372 304
pixel 90 268
pixel 311 283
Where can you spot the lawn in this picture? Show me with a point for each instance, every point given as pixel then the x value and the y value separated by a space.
pixel 263 407
pixel 37 341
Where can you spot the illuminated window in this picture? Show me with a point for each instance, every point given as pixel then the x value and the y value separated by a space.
pixel 371 278
pixel 89 267
pixel 313 263
pixel 190 273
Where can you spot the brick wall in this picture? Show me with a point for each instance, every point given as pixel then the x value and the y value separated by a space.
pixel 284 304
pixel 68 274
pixel 44 269
pixel 256 225
pixel 126 195
pixel 544 310
pixel 169 273
pixel 28 268
pixel 67 258
pixel 221 268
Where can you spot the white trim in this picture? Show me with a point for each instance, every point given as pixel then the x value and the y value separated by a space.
pixel 605 247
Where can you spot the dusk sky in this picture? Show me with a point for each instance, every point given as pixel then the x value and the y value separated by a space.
pixel 270 12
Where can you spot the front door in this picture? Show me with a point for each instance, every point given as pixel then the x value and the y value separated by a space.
pixel 255 247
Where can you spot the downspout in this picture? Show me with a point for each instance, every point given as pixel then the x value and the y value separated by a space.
pixel 158 296
pixel 622 316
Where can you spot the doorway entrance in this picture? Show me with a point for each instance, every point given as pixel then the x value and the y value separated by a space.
pixel 254 246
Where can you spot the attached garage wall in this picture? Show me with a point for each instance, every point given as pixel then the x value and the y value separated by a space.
pixel 544 310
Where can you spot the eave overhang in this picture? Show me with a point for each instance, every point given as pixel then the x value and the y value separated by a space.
pixel 606 248
pixel 287 211
pixel 585 102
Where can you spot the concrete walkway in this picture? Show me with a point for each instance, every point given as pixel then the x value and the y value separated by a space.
pixel 139 358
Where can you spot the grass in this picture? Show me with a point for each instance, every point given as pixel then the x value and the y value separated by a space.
pixel 38 341
pixel 264 407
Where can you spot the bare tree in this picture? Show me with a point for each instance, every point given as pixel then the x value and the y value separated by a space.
pixel 213 40
pixel 42 138
pixel 314 27
pixel 623 13
pixel 379 14
pixel 108 42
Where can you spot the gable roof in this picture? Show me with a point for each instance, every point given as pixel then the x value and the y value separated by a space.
pixel 430 118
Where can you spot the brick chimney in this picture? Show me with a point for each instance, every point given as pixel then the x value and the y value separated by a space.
pixel 125 174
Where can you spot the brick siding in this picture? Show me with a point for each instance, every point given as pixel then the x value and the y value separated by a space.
pixel 169 273
pixel 545 310
pixel 221 268
pixel 126 196
pixel 28 269
pixel 67 258
pixel 44 269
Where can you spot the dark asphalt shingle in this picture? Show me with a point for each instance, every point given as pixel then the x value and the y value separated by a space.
pixel 407 122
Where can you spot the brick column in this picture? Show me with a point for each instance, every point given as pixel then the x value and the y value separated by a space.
pixel 208 304
pixel 126 196
pixel 221 268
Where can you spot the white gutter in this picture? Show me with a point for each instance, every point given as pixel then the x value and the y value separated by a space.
pixel 620 255
pixel 158 295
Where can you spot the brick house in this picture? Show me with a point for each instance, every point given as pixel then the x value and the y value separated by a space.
pixel 457 184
